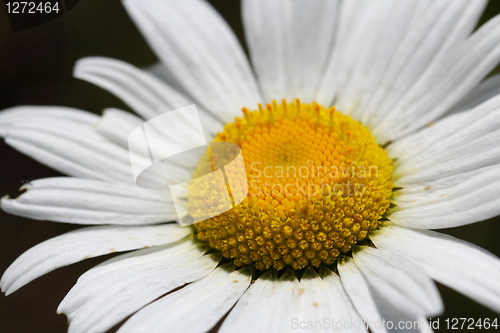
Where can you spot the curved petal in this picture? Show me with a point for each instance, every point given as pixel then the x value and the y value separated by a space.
pixel 125 289
pixel 453 77
pixel 437 27
pixel 376 311
pixel 116 125
pixel 91 202
pixel 455 145
pixel 144 93
pixel 266 24
pixel 252 312
pixel 488 89
pixel 135 87
pixel 398 320
pixel 425 192
pixel 385 32
pixel 289 43
pixel 358 291
pixel 459 265
pixel 81 244
pixel 312 299
pixel 17 114
pixel 357 20
pixel 425 325
pixel 107 273
pixel 477 153
pixel 445 137
pixel 475 197
pixel 311 40
pixel 69 146
pixel 383 47
pixel 195 308
pixel 343 308
pixel 398 282
pixel 200 51
pixel 161 72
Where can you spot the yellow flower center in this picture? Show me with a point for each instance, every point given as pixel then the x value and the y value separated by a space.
pixel 318 183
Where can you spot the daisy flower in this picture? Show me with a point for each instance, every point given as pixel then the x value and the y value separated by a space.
pixel 379 107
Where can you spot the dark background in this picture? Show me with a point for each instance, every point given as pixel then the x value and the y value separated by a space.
pixel 36 68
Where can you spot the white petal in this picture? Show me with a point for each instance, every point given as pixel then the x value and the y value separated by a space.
pixel 82 244
pixel 289 43
pixel 144 93
pixel 253 312
pixel 452 77
pixel 488 89
pixel 357 288
pixel 116 125
pixel 126 297
pixel 425 326
pixel 91 202
pixel 397 320
pixel 446 136
pixel 473 196
pixel 460 143
pixel 427 192
pixel 382 47
pixel 390 23
pixel 287 305
pixel 22 113
pixel 436 28
pixel 477 153
pixel 120 267
pixel 459 265
pixel 357 20
pixel 461 147
pixel 76 149
pixel 311 39
pixel 398 282
pixel 69 146
pixel 161 72
pixel 195 308
pixel 134 288
pixel 378 313
pixel 339 303
pixel 266 24
pixel 200 51
pixel 325 298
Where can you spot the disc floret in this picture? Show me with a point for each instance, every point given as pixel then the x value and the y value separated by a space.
pixel 318 183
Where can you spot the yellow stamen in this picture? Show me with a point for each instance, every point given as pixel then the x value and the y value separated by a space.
pixel 318 183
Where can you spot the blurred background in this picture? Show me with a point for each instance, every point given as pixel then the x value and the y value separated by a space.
pixel 36 68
